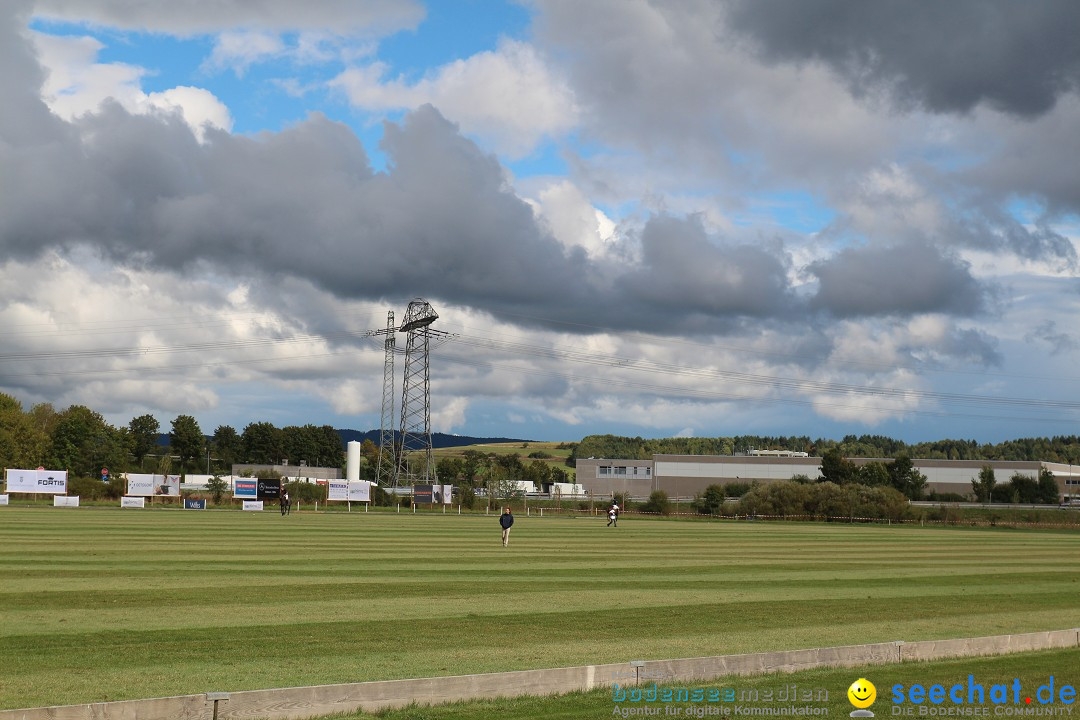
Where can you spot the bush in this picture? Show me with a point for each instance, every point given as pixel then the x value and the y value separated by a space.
pixel 217 487
pixel 709 501
pixel 737 489
pixel 306 492
pixel 657 503
pixel 89 488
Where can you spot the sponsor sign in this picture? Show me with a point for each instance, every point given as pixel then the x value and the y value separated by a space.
pixel 194 504
pixel 3 499
pixel 148 485
pixel 37 481
pixel 245 488
pixel 132 502
pixel 437 494
pixel 256 505
pixel 269 489
pixel 349 491
pixel 65 501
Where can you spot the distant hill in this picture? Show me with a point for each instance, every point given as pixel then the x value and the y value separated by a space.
pixel 438 440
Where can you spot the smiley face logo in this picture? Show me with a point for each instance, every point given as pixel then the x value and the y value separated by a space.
pixel 862 693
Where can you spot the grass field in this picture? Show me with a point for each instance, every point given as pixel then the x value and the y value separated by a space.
pixel 102 604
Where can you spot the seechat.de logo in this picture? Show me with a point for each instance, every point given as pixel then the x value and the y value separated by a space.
pixel 862 695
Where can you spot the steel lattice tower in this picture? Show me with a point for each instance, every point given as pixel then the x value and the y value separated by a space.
pixel 416 396
pixel 384 471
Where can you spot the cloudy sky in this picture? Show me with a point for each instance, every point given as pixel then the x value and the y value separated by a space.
pixel 647 218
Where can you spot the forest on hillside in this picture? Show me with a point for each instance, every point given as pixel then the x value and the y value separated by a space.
pixel 1060 449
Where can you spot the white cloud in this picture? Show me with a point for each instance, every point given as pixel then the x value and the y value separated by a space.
pixel 77 84
pixel 239 49
pixel 572 219
pixel 200 108
pixel 509 96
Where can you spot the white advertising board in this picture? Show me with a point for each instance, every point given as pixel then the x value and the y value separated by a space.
pixel 132 502
pixel 146 485
pixel 3 499
pixel 256 505
pixel 37 481
pixel 349 491
pixel 65 501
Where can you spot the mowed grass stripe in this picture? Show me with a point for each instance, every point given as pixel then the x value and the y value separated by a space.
pixel 134 604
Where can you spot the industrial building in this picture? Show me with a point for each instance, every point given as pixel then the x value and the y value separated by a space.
pixel 683 476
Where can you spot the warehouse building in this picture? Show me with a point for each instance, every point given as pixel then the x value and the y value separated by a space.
pixel 683 476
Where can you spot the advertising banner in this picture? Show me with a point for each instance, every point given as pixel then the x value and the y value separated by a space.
pixel 147 485
pixel 37 481
pixel 194 504
pixel 3 499
pixel 65 501
pixel 349 491
pixel 256 505
pixel 269 489
pixel 437 494
pixel 247 488
pixel 132 502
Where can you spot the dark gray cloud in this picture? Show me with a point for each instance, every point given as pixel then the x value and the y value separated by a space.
pixel 896 280
pixel 442 222
pixel 192 16
pixel 944 56
pixel 685 273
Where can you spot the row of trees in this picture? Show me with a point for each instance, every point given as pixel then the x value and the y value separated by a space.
pixel 1062 449
pixel 1017 489
pixel 79 440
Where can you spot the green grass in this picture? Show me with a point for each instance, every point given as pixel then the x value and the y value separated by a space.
pixel 1032 669
pixel 557 459
pixel 104 604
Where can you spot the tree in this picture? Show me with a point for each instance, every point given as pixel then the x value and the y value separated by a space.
pixel 217 487
pixel 984 486
pixel 186 440
pixel 874 474
pixel 837 469
pixel 83 443
pixel 1049 492
pixel 144 434
pixel 501 484
pixel 261 444
pixel 226 445
pixel 905 478
pixel 710 501
pixel 1025 488
pixel 22 443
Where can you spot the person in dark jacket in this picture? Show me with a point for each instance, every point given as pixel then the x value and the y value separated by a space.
pixel 506 520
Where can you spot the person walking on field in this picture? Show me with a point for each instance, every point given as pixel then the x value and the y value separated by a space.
pixel 506 520
pixel 613 515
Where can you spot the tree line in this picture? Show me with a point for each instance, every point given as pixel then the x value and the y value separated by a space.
pixel 80 441
pixel 1060 449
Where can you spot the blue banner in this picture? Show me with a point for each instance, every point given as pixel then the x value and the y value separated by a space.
pixel 194 504
pixel 246 489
